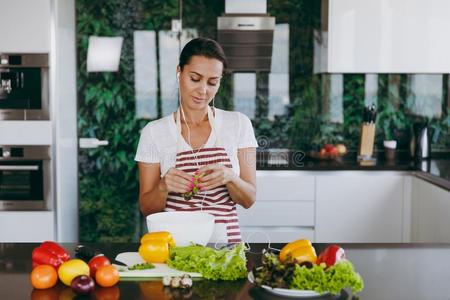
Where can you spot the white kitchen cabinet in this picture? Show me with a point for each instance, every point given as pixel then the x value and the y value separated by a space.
pixel 389 36
pixel 284 185
pixel 26 226
pixel 31 132
pixel 25 26
pixel 284 208
pixel 361 207
pixel 278 213
pixel 430 213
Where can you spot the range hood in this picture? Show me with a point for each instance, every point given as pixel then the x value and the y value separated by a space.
pixel 246 35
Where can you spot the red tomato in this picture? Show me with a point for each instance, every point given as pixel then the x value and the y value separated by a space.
pixel 97 262
pixel 43 277
pixel 107 276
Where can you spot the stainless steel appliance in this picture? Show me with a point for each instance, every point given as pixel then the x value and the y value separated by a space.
pixel 246 40
pixel 24 87
pixel 25 178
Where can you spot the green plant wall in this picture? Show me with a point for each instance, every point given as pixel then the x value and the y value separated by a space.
pixel 108 178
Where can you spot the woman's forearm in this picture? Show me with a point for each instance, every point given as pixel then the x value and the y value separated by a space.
pixel 242 192
pixel 155 200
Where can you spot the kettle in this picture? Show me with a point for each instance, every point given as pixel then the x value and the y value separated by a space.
pixel 421 141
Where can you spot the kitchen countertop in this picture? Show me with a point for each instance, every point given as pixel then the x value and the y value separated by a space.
pixel 390 271
pixel 435 170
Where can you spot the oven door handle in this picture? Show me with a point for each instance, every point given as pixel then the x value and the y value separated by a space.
pixel 19 168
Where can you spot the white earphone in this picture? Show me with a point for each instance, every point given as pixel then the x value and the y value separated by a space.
pixel 178 76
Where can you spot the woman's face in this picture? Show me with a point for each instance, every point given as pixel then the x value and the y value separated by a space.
pixel 199 81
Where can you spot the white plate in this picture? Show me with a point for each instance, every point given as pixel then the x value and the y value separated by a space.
pixel 287 292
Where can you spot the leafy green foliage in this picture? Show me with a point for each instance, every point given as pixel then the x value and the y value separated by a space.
pixel 108 181
pixel 223 264
pixel 313 277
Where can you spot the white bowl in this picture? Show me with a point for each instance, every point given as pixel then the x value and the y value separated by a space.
pixel 185 227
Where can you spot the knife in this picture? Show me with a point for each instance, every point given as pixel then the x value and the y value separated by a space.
pixel 87 253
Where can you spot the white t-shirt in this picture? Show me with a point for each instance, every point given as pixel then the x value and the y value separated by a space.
pixel 158 141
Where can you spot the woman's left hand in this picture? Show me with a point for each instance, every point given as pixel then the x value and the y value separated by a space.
pixel 214 175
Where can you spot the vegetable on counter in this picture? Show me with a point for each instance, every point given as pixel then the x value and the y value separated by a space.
pixel 143 266
pixel 82 285
pixel 301 251
pixel 49 253
pixel 97 262
pixel 155 246
pixel 158 236
pixel 331 255
pixel 43 277
pixel 71 269
pixel 333 280
pixel 51 261
pixel 223 264
pixel 184 282
pixel 318 277
pixel 154 251
pixel 107 276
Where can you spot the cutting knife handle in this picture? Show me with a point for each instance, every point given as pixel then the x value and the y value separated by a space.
pixel 86 253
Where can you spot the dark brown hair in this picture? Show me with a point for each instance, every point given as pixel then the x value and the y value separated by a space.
pixel 202 47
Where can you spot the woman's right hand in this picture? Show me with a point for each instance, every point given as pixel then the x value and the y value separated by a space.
pixel 176 181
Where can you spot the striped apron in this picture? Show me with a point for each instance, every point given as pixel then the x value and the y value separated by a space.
pixel 216 201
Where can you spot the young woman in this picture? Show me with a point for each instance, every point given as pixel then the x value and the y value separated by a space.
pixel 198 139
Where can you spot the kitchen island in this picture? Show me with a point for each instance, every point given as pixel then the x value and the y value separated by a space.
pixel 390 271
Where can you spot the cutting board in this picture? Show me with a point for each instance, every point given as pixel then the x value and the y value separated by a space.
pixel 160 270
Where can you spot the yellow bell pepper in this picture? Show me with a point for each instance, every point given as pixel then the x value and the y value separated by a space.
pixel 158 236
pixel 154 251
pixel 300 251
pixel 155 246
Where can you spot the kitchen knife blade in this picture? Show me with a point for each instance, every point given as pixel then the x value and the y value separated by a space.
pixel 87 253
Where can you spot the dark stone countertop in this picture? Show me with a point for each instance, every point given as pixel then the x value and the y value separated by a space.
pixel 435 170
pixel 390 271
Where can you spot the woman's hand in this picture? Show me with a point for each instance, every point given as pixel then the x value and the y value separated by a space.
pixel 215 175
pixel 177 181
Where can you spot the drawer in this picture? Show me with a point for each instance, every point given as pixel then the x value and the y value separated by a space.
pixel 284 185
pixel 261 234
pixel 277 213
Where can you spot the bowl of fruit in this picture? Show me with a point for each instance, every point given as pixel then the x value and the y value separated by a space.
pixel 330 152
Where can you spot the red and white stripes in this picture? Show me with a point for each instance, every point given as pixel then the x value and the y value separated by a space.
pixel 216 201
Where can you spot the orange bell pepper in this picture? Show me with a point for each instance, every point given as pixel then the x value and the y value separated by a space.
pixel 299 251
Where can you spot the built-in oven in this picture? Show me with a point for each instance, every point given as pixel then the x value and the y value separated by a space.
pixel 24 87
pixel 25 178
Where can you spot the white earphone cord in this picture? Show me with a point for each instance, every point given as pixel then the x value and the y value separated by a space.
pixel 189 135
pixel 247 243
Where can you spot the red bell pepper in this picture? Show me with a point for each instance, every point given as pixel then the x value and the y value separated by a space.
pixel 331 255
pixel 56 249
pixel 49 253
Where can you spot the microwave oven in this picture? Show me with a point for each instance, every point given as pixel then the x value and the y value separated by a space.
pixel 24 86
